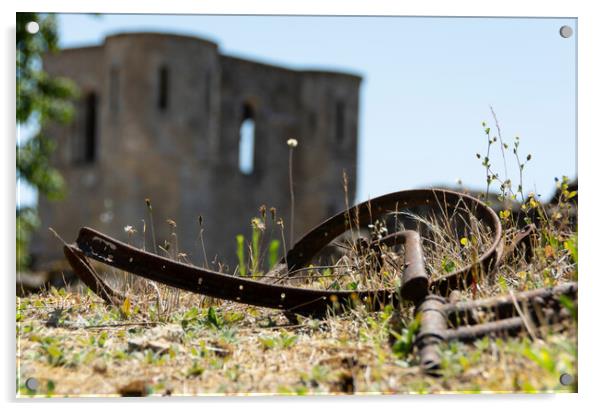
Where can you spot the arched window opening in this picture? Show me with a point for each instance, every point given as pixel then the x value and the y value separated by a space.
pixel 246 144
pixel 163 100
pixel 340 122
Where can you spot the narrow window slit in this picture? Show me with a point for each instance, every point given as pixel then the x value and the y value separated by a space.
pixel 163 101
pixel 84 144
pixel 246 144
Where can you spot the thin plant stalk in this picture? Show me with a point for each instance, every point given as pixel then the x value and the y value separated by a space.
pixel 281 224
pixel 499 133
pixel 292 193
pixel 203 248
pixel 152 224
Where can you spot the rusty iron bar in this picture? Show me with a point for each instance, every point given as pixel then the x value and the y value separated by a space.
pixel 467 312
pixel 415 281
pixel 84 270
pixel 502 328
pixel 433 331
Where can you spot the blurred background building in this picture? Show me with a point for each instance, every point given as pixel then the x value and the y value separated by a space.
pixel 170 119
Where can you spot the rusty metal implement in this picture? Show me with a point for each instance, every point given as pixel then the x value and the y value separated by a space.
pixel 98 246
pixel 436 313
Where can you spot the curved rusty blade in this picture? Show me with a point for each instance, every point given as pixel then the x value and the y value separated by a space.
pixel 302 300
pixel 187 277
pixel 90 277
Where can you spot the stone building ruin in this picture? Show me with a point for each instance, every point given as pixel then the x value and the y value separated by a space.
pixel 169 118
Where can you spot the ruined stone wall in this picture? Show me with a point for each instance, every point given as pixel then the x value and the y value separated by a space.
pixel 168 116
pixel 84 200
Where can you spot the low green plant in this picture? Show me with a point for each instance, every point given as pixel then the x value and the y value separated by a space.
pixel 571 246
pixel 273 252
pixel 240 253
pixel 283 340
pixel 257 229
pixel 404 343
pixel 53 350
pixel 196 370
pixel 213 319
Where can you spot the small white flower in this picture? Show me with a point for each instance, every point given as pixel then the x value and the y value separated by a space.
pixel 129 229
pixel 258 224
pixel 292 142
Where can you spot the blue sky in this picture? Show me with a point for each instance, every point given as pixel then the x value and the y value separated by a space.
pixel 428 84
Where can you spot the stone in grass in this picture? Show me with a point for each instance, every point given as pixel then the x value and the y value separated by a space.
pixel 345 383
pixel 99 366
pixel 136 388
pixel 140 344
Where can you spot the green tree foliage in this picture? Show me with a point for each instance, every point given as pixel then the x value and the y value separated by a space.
pixel 40 99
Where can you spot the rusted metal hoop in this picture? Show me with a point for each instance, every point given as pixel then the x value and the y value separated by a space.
pixel 316 239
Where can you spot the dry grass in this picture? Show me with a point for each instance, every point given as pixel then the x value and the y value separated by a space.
pixel 168 342
pixel 76 346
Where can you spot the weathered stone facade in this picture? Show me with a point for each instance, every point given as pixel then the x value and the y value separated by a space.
pixel 160 118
